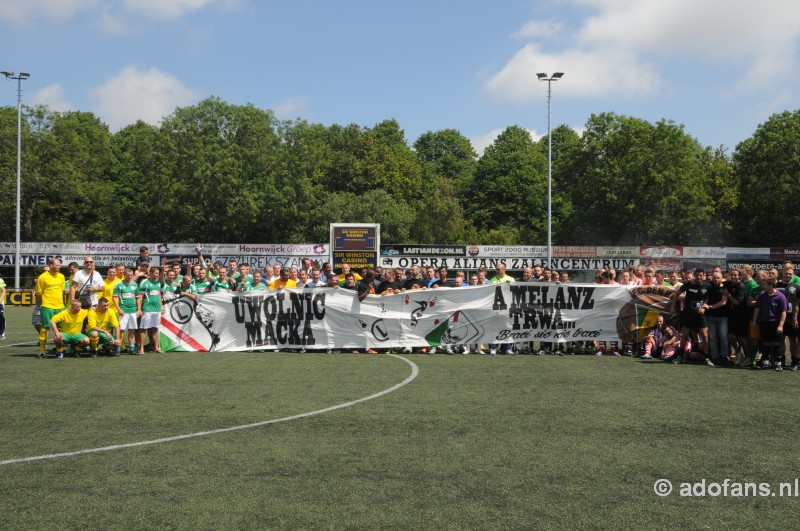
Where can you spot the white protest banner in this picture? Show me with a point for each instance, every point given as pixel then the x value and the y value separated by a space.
pixel 334 318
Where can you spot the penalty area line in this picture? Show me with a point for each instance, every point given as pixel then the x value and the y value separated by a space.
pixel 408 380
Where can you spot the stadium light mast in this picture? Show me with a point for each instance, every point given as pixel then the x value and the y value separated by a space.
pixel 19 77
pixel 544 77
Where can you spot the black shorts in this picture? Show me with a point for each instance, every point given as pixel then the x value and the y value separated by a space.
pixel 693 320
pixel 789 329
pixel 738 325
pixel 769 332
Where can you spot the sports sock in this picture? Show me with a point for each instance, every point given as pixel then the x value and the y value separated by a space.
pixel 42 339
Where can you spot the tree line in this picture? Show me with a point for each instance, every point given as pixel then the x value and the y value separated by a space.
pixel 234 173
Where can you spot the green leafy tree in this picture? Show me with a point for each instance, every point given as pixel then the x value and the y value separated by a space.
pixel 8 171
pixel 368 159
pixel 565 145
pixel 227 173
pixel 68 163
pixel 510 187
pixel 448 162
pixel 447 154
pixel 768 167
pixel 303 153
pixel 373 206
pixel 634 183
pixel 723 193
pixel 146 184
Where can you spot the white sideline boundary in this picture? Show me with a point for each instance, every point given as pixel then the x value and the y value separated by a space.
pixel 411 378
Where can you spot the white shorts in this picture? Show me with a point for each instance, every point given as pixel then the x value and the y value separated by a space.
pixel 128 321
pixel 150 320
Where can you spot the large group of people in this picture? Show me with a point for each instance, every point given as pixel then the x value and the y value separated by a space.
pixel 736 318
pixel 733 318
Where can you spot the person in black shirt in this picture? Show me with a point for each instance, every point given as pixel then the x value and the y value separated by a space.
pixel 737 315
pixel 694 294
pixel 790 326
pixel 365 286
pixel 389 284
pixel 717 317
pixel 413 281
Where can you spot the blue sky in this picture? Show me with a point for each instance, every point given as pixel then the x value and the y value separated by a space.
pixel 719 67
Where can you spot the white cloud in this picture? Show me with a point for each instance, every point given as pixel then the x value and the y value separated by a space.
pixel 618 48
pixel 587 73
pixel 112 23
pixel 23 12
pixel 291 109
pixel 165 9
pixel 481 142
pixel 137 94
pixel 53 97
pixel 538 28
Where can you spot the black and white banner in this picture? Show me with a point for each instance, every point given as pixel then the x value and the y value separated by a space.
pixel 334 318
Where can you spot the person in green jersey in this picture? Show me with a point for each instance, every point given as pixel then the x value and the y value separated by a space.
pixel 150 305
pixel 222 282
pixel 186 288
pixel 202 283
pixel 256 284
pixel 125 296
pixel 170 285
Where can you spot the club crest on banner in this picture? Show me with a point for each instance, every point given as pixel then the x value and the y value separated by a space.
pixel 638 317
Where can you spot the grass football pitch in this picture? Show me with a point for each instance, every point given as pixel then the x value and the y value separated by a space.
pixel 473 442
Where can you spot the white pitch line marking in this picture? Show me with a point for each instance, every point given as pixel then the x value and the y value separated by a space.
pixel 411 377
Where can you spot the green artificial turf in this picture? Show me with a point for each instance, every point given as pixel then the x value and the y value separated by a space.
pixel 473 442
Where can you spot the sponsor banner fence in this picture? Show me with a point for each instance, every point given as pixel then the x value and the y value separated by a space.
pixel 512 264
pixel 334 318
pixel 16 297
pixel 259 262
pixel 617 252
pixel 425 250
pixel 101 260
pixel 747 253
pixel 574 251
pixel 497 251
pixel 664 258
pixel 756 264
pixel 704 252
pixel 357 245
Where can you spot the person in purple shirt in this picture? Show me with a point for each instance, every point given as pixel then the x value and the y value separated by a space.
pixel 770 314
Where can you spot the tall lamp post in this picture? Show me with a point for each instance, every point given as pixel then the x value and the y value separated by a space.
pixel 544 77
pixel 19 77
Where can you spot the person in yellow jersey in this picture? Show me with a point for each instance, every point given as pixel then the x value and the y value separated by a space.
pixel 120 267
pixel 71 321
pixel 283 282
pixel 49 298
pixel 345 272
pixel 103 328
pixel 109 283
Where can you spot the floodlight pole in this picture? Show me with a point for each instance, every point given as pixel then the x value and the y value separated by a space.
pixel 19 77
pixel 544 77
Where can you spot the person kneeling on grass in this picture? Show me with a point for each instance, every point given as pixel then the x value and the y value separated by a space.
pixel 71 321
pixel 662 341
pixel 103 328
